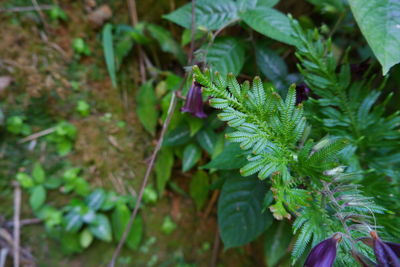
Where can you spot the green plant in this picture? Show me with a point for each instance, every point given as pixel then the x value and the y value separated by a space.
pixel 80 47
pixel 63 137
pixel 83 108
pixel 16 125
pixel 92 213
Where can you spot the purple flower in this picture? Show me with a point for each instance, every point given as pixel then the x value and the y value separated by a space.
pixel 302 93
pixel 386 253
pixel 194 101
pixel 323 254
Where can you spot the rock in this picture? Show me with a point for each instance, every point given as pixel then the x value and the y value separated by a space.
pixel 100 15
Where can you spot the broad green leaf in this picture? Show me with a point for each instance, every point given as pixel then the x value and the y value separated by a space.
pixel 101 228
pixel 199 188
pixel 64 147
pixel 166 41
pixel 191 155
pixel 230 158
pixel 240 216
pixel 123 44
pixel 38 173
pixel 96 199
pixel 25 180
pixel 177 136
pixel 163 168
pixel 38 197
pixel 120 218
pixel 276 242
pixel 226 55
pixel 53 183
pixel 86 238
pixel 108 49
pixel 270 63
pixel 270 23
pixel 207 140
pixel 251 4
pixel 210 14
pixel 379 21
pixel 195 124
pixel 73 221
pixel 146 107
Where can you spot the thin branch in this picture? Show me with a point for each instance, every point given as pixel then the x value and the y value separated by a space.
pixel 134 21
pixel 37 135
pixel 24 222
pixel 41 15
pixel 16 232
pixel 150 166
pixel 171 110
pixel 214 258
pixel 25 8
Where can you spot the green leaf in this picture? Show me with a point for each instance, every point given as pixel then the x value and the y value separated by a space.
pixel 86 238
pixel 178 136
pixel 120 218
pixel 187 36
pixel 270 23
pixel 210 14
pixel 73 221
pixel 270 63
pixel 101 228
pixel 226 55
pixel 38 173
pixel 379 21
pixel 166 41
pixel 230 158
pixel 25 180
pixel 207 140
pixel 38 197
pixel 250 4
pixel 276 242
pixel 149 195
pixel 96 199
pixel 163 168
pixel 240 216
pixel 168 225
pixel 199 188
pixel 146 107
pixel 53 183
pixel 108 49
pixel 123 43
pixel 191 155
pixel 195 124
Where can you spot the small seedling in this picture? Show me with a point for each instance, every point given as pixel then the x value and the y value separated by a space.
pixel 80 47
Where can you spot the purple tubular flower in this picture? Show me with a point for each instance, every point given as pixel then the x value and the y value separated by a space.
pixel 302 93
pixel 385 256
pixel 323 254
pixel 194 101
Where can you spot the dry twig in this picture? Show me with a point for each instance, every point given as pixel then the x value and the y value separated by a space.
pixel 25 8
pixel 16 231
pixel 37 135
pixel 150 166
